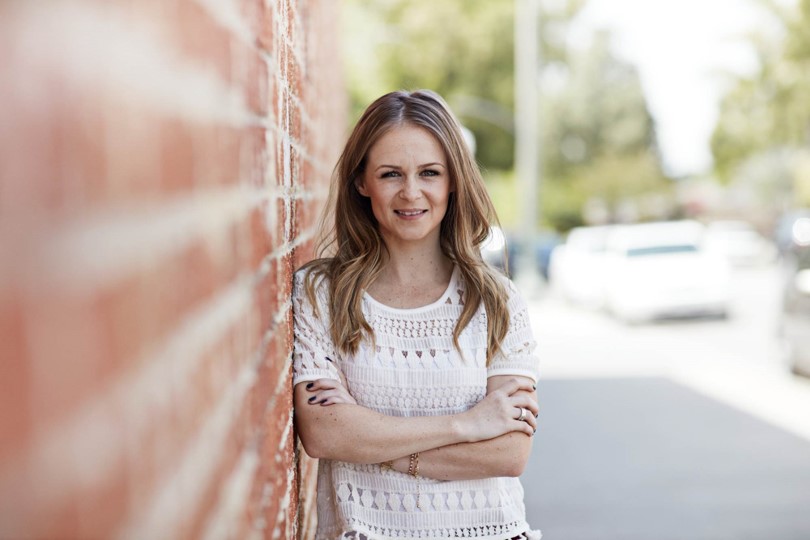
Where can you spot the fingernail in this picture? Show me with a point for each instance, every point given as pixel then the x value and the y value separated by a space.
pixel 536 415
pixel 310 385
pixel 534 387
pixel 312 399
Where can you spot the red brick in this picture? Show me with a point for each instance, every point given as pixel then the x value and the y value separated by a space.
pixel 200 38
pixel 177 156
pixel 254 156
pixel 263 17
pixel 84 146
pixel 133 159
pixel 258 238
pixel 15 378
pixel 216 154
pixel 252 78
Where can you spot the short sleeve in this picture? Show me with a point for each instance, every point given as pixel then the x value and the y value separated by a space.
pixel 516 356
pixel 314 354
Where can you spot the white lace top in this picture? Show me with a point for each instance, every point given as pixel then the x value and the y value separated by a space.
pixel 414 371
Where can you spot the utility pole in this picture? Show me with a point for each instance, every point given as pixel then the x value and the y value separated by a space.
pixel 527 129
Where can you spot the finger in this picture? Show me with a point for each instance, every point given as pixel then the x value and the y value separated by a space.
pixel 337 399
pixel 528 417
pixel 531 421
pixel 527 402
pixel 523 427
pixel 330 397
pixel 322 384
pixel 516 385
pixel 320 395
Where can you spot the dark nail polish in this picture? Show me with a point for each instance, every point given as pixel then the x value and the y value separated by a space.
pixel 312 399
pixel 310 385
pixel 328 359
pixel 534 387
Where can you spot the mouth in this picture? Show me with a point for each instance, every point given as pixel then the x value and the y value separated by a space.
pixel 410 213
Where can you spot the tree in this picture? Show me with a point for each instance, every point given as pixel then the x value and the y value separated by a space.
pixel 594 117
pixel 599 137
pixel 771 108
pixel 462 49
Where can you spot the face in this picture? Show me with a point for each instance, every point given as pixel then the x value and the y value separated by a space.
pixel 408 182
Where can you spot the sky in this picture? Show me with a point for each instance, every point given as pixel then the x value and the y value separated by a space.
pixel 681 48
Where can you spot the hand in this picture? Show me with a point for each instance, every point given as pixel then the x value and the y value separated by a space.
pixel 497 414
pixel 327 392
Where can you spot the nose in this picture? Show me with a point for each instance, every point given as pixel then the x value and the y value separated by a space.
pixel 410 189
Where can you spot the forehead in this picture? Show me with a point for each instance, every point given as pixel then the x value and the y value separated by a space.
pixel 407 143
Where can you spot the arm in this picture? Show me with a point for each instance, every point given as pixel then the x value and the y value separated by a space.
pixel 351 433
pixel 506 455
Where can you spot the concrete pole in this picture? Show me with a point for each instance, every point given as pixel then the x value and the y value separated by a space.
pixel 527 127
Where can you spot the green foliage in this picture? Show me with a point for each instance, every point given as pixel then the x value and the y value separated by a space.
pixel 598 136
pixel 462 49
pixel 771 108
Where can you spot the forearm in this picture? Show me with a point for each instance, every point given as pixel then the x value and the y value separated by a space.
pixel 355 434
pixel 506 455
pixel 352 433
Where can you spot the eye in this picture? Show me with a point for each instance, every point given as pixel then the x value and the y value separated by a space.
pixel 390 174
pixel 430 172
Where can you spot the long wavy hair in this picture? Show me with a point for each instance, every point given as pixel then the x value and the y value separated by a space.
pixel 352 251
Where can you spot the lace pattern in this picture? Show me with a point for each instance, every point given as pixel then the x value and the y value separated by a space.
pixel 413 369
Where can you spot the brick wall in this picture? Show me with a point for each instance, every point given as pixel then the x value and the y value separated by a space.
pixel 162 163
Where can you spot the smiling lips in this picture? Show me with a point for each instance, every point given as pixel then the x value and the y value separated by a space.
pixel 409 213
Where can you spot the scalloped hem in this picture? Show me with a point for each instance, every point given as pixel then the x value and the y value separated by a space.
pixel 528 535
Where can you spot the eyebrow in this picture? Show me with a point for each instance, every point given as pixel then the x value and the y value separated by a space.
pixel 418 166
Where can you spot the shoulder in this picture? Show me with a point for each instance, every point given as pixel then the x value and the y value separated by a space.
pixel 311 283
pixel 489 278
pixel 314 272
pixel 504 280
pixel 506 284
pixel 514 299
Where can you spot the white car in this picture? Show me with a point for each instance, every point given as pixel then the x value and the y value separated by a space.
pixel 658 270
pixel 577 267
pixel 739 242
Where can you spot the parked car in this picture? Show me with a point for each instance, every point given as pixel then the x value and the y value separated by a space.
pixel 795 323
pixel 659 270
pixel 577 267
pixel 497 251
pixel 792 230
pixel 739 242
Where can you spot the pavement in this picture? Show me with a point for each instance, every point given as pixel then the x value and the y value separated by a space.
pixel 689 429
pixel 651 459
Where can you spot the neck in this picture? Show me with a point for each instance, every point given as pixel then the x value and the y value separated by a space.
pixel 413 264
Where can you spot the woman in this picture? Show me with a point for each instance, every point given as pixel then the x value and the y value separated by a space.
pixel 413 368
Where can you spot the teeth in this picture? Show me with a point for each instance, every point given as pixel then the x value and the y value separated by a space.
pixel 411 213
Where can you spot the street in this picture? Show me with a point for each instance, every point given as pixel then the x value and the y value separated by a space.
pixel 669 430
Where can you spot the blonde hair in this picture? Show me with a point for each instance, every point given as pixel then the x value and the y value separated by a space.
pixel 352 249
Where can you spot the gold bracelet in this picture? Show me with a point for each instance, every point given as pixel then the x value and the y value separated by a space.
pixel 413 470
pixel 387 466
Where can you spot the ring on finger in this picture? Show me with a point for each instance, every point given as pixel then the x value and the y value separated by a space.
pixel 522 416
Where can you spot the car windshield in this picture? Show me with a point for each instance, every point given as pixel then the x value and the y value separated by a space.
pixel 661 250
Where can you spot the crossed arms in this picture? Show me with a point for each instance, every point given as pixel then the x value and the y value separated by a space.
pixel 483 442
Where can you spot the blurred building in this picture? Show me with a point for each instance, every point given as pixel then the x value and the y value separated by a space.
pixel 161 168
